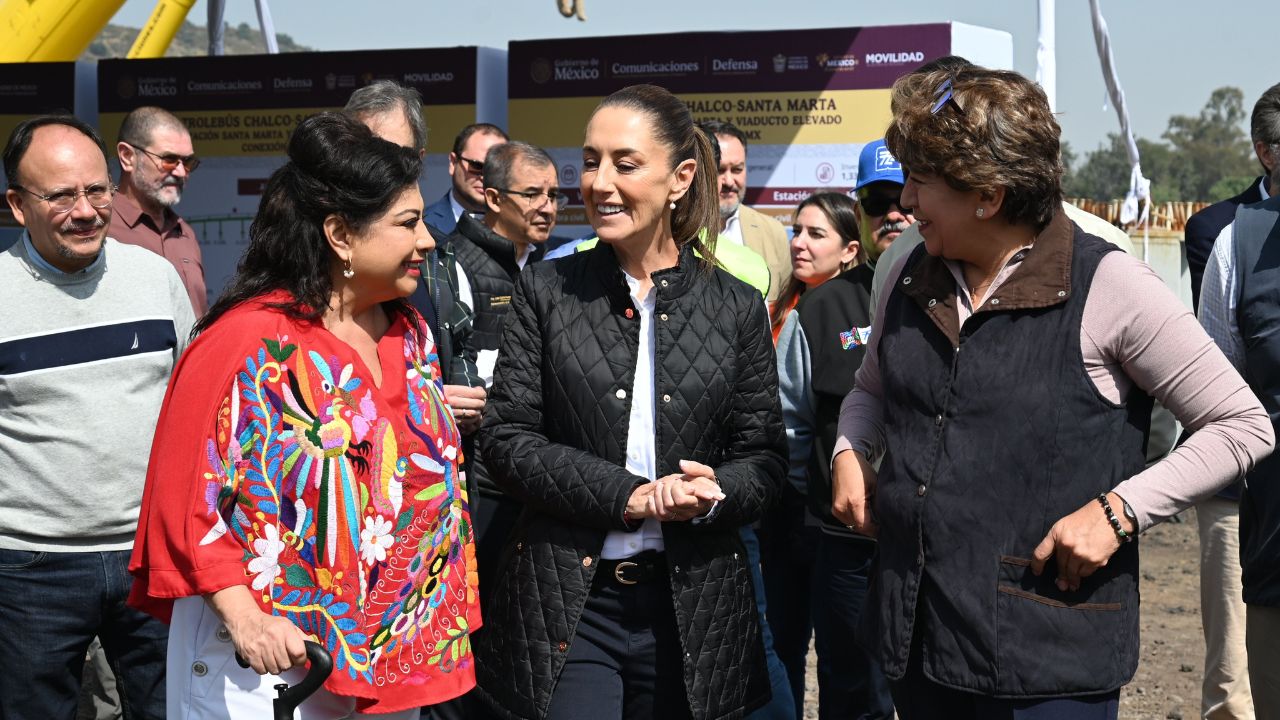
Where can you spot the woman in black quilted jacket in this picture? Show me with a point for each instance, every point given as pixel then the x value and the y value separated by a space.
pixel 635 414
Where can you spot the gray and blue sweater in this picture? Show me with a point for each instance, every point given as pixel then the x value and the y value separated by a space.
pixel 85 359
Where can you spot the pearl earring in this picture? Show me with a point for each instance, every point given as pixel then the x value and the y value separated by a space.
pixel 347 272
pixel 673 204
pixel 981 212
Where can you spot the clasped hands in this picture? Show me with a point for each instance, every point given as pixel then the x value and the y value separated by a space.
pixel 677 497
pixel 1081 542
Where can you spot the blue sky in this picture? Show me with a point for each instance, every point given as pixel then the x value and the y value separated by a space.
pixel 1170 54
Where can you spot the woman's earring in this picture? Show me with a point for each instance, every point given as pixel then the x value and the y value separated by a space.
pixel 347 272
pixel 673 204
pixel 981 212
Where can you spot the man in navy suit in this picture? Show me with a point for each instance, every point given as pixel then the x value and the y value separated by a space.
pixel 1226 691
pixel 1203 227
pixel 466 169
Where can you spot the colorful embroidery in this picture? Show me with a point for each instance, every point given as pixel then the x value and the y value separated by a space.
pixel 855 337
pixel 353 526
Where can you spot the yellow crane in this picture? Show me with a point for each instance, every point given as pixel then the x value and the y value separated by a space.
pixel 60 30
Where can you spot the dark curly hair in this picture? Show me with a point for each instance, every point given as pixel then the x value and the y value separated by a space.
pixel 336 166
pixel 1001 135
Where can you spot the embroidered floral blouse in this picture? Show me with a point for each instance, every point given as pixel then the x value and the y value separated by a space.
pixel 279 464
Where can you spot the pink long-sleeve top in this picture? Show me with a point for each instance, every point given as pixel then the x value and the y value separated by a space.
pixel 1134 332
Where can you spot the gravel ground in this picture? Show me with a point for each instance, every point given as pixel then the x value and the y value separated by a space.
pixel 1167 685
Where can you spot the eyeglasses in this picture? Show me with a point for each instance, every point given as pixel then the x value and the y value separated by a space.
pixel 877 205
pixel 945 96
pixel 169 162
pixel 558 198
pixel 99 197
pixel 473 166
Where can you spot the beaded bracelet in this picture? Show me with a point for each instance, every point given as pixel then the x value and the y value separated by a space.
pixel 1121 535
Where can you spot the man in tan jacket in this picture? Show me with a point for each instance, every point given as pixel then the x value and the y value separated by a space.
pixel 739 223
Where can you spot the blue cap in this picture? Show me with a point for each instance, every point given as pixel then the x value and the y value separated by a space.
pixel 877 164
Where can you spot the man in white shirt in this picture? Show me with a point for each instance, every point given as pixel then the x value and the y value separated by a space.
pixel 1226 690
pixel 739 223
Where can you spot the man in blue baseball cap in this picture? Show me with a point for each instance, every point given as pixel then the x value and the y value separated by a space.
pixel 881 217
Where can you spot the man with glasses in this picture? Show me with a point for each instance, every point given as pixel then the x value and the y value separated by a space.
pixel 156 158
pixel 90 330
pixel 466 170
pixel 522 194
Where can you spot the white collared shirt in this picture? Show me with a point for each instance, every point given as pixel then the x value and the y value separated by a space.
pixel 641 449
pixel 733 227
pixel 1220 294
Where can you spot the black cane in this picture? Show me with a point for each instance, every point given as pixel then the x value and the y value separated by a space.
pixel 290 697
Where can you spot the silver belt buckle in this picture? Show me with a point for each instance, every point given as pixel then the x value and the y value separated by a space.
pixel 617 572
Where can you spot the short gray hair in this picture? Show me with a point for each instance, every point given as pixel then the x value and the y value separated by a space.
pixel 501 158
pixel 1264 126
pixel 384 96
pixel 140 125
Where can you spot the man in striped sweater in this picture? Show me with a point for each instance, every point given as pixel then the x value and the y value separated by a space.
pixel 89 332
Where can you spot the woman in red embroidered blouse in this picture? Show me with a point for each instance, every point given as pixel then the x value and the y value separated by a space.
pixel 304 478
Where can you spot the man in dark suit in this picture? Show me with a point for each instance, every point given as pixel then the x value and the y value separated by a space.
pixel 1203 227
pixel 1226 690
pixel 466 170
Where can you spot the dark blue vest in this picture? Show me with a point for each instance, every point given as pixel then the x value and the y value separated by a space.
pixel 994 433
pixel 1256 239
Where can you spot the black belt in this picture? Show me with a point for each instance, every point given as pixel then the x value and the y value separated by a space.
pixel 645 567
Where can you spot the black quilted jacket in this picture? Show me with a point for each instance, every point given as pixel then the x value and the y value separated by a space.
pixel 555 436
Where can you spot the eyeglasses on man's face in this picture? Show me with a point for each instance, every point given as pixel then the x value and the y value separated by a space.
pixel 169 162
pixel 538 198
pixel 63 201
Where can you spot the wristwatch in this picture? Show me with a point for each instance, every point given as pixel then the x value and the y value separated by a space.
pixel 1129 513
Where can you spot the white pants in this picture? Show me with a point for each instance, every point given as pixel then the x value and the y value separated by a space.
pixel 206 683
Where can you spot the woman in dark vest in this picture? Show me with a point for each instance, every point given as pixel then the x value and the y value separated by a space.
pixel 1007 394
pixel 635 416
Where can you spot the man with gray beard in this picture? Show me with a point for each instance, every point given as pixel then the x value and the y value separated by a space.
pixel 156 159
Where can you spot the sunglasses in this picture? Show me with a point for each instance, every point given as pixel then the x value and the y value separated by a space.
pixel 476 167
pixel 878 205
pixel 943 97
pixel 169 162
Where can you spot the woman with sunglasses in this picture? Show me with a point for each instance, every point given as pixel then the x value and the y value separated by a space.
pixel 1006 393
pixel 304 480
pixel 635 416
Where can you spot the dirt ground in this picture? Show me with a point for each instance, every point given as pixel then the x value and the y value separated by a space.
pixel 1167 685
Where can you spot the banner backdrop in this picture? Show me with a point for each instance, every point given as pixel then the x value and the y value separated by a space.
pixel 241 110
pixel 808 100
pixel 28 89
